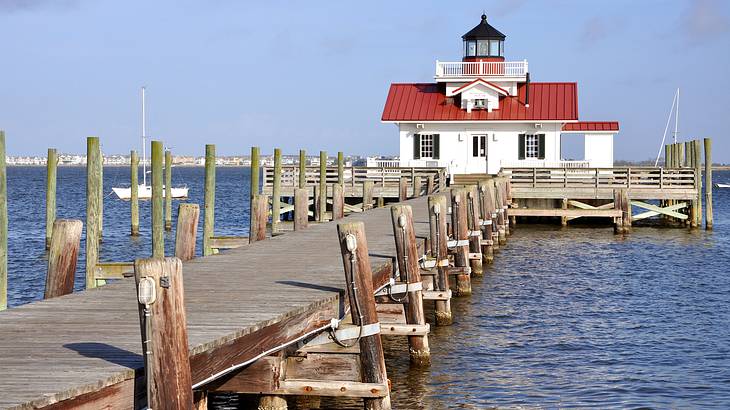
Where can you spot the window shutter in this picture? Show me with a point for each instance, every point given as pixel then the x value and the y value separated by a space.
pixel 436 151
pixel 475 146
pixel 541 147
pixel 416 146
pixel 521 149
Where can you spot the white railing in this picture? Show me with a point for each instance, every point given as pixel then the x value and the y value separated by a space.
pixel 481 69
pixel 383 163
pixel 531 163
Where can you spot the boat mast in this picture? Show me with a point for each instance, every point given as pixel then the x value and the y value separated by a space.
pixel 676 119
pixel 144 144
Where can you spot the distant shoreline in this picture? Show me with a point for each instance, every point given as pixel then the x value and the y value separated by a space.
pixel 714 167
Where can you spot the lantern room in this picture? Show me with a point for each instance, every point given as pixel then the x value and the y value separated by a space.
pixel 483 43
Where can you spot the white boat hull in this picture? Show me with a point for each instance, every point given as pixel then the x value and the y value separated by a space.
pixel 722 185
pixel 145 192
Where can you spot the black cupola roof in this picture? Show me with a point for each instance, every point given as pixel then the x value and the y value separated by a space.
pixel 483 31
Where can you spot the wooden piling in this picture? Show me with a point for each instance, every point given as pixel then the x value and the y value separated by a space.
pixel 438 241
pixel 371 347
pixel 302 168
pixel 564 219
pixel 276 193
pixel 134 193
pixel 417 186
pixel 473 220
pixel 341 168
pixel 460 228
pixel 680 155
pixel 51 176
pixel 3 226
pixel 708 184
pixel 301 208
pixel 403 189
pixel 168 190
pixel 338 202
pixel 430 185
pixel 209 206
pixel 626 211
pixel 158 234
pixel 92 209
pixel 186 232
pixel 164 334
pixel 367 195
pixel 62 257
pixel 268 402
pixel 259 217
pixel 410 272
pixel 255 172
pixel 486 206
pixel 322 210
pixel 100 192
pixel 618 224
pixel 697 151
pixel 499 205
pixel 491 193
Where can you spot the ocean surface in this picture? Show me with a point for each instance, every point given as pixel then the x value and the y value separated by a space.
pixel 572 317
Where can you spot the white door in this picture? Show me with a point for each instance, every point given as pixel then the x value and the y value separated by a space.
pixel 477 155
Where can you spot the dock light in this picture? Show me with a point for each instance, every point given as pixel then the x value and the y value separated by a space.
pixel 147 293
pixel 436 209
pixel 402 220
pixel 351 242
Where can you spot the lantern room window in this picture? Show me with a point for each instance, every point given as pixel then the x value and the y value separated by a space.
pixel 483 41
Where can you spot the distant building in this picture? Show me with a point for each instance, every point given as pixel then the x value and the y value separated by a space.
pixel 483 113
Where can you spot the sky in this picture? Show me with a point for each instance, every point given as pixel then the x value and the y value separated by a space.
pixel 315 74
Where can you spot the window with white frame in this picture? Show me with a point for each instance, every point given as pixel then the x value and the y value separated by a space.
pixel 532 146
pixel 426 146
pixel 480 103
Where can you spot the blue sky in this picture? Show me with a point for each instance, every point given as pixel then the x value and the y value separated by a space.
pixel 315 75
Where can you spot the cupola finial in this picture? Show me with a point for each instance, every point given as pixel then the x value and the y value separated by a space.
pixel 484 16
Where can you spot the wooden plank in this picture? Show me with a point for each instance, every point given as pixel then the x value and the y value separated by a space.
pixel 608 213
pixel 228 242
pixel 114 270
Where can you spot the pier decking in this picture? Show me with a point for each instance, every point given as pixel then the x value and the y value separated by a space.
pixel 84 349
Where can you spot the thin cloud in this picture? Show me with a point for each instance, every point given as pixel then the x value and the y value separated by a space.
pixel 704 20
pixel 15 6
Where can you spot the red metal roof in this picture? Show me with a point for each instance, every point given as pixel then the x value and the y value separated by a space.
pixel 425 102
pixel 591 126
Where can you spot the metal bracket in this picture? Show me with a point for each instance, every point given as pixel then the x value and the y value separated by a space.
pixel 494 214
pixel 487 222
pixel 487 242
pixel 475 256
pixel 501 211
pixel 437 294
pixel 346 333
pixel 454 243
pixel 427 263
pixel 475 233
pixel 396 288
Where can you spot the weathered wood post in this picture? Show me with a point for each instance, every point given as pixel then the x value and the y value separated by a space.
pixel 680 155
pixel 276 193
pixel 62 257
pixel 186 232
pixel 302 168
pixel 460 229
pixel 51 169
pixel 626 212
pixel 164 332
pixel 3 226
pixel 367 195
pixel 158 234
pixel 486 207
pixel 301 208
pixel 341 168
pixel 499 204
pixel 322 209
pixel 255 172
pixel 361 298
pixel 403 189
pixel 492 196
pixel 618 223
pixel 697 151
pixel 259 217
pixel 430 185
pixel 100 192
pixel 708 184
pixel 168 190
pixel 410 273
pixel 134 193
pixel 92 209
pixel 338 202
pixel 475 232
pixel 564 219
pixel 438 241
pixel 416 186
pixel 209 206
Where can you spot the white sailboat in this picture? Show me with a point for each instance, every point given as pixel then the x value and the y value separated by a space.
pixel 144 191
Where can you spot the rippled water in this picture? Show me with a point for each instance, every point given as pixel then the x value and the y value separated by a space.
pixel 565 317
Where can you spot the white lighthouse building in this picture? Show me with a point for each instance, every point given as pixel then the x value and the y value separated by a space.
pixel 483 113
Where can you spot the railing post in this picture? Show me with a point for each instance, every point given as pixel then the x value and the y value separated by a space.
pixel 340 168
pixel 534 177
pixel 402 189
pixel 51 169
pixel 367 195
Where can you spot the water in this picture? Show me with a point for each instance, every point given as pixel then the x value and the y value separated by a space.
pixel 564 318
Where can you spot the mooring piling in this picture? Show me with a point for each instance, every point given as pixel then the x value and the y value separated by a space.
pixel 460 229
pixel 93 180
pixel 322 209
pixel 338 201
pixel 62 257
pixel 367 195
pixel 3 226
pixel 438 241
pixel 134 192
pixel 209 206
pixel 340 168
pixel 708 184
pixel 697 150
pixel 302 168
pixel 51 176
pixel 402 189
pixel 168 190
pixel 301 208
pixel 276 193
pixel 186 231
pixel 259 217
pixel 486 207
pixel 255 171
pixel 158 234
pixel 475 232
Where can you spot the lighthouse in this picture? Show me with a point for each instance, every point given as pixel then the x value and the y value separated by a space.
pixel 483 113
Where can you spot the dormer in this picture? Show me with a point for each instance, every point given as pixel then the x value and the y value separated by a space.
pixel 479 94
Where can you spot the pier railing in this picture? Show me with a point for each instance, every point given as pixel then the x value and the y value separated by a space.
pixel 481 69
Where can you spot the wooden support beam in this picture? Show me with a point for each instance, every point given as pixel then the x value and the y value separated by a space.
pixel 460 228
pixel 301 208
pixel 168 190
pixel 51 177
pixel 367 195
pixel 501 219
pixel 410 272
pixel 62 257
pixel 92 209
pixel 708 184
pixel 164 334
pixel 486 208
pixel 338 202
pixel 341 168
pixel 438 237
pixel 276 193
pixel 302 168
pixel 255 172
pixel 361 295
pixel 186 231
pixel 417 186
pixel 569 213
pixel 697 151
pixel 654 210
pixel 158 234
pixel 474 222
pixel 134 193
pixel 113 270
pixel 322 210
pixel 402 189
pixel 209 205
pixel 259 217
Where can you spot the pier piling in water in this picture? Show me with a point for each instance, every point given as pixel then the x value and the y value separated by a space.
pixel 100 192
pixel 708 184
pixel 3 226
pixel 475 233
pixel 340 168
pixel 134 192
pixel 255 171
pixel 168 190
pixel 486 207
pixel 276 193
pixel 697 151
pixel 460 229
pixel 186 231
pixel 62 257
pixel 93 179
pixel 438 240
pixel 158 234
pixel 322 208
pixel 209 207
pixel 51 177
